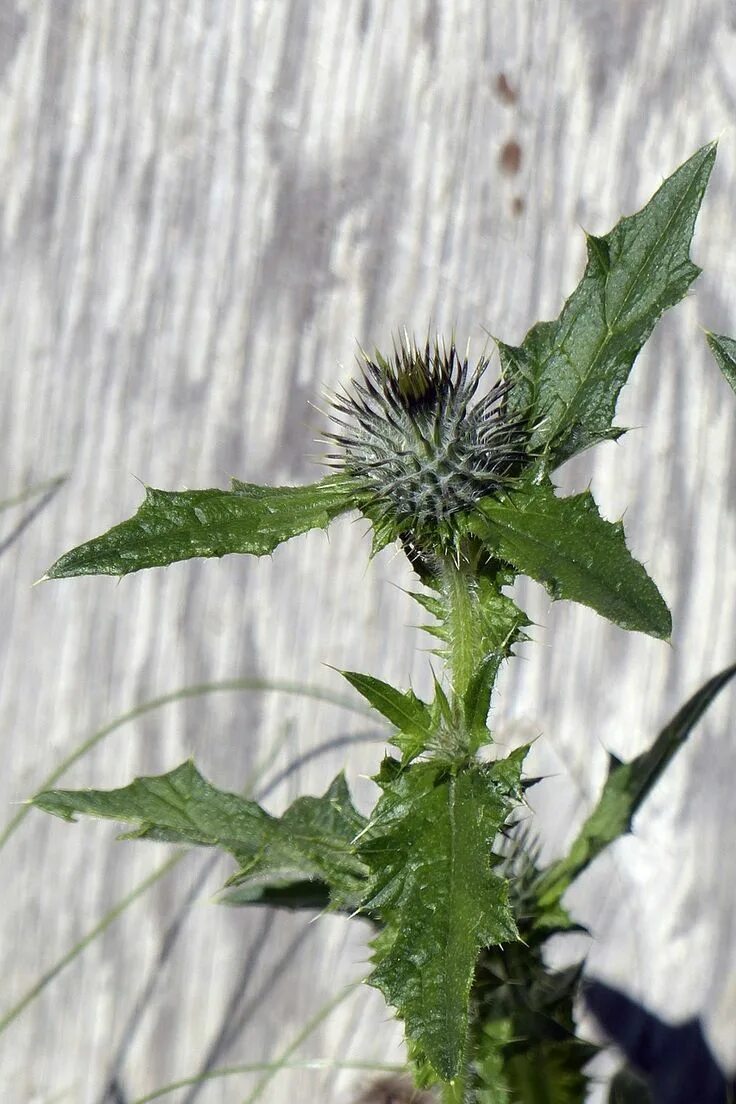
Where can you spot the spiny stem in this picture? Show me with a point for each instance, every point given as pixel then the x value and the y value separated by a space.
pixel 463 652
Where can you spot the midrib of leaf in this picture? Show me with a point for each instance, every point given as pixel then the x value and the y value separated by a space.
pixel 48 975
pixel 610 327
pixel 450 943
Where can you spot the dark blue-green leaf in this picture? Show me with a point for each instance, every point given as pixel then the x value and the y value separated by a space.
pixel 179 525
pixel 567 374
pixel 565 544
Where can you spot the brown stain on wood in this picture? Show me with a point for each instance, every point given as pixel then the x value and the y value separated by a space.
pixel 505 91
pixel 510 157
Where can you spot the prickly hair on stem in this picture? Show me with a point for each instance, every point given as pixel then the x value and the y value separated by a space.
pixel 419 444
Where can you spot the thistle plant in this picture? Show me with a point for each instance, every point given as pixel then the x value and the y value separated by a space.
pixel 457 469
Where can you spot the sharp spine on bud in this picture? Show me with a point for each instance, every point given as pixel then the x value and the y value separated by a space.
pixel 418 447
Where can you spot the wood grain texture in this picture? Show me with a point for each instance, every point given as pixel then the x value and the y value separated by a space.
pixel 203 204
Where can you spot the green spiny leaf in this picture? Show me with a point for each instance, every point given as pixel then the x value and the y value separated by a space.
pixel 312 840
pixel 724 350
pixel 408 713
pixel 178 525
pixel 624 791
pixel 567 374
pixel 565 544
pixel 428 847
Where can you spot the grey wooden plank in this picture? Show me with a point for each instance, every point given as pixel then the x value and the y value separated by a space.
pixel 203 207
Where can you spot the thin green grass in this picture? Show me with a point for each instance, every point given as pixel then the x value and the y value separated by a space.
pixel 33 492
pixel 284 1062
pixel 109 917
pixel 317 1064
pixel 112 915
pixel 310 1026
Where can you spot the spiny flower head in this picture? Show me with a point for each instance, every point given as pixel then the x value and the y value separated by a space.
pixel 420 446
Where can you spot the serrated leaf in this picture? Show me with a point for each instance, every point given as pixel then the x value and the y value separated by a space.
pixel 724 350
pixel 506 772
pixel 312 840
pixel 567 374
pixel 428 847
pixel 565 544
pixel 178 525
pixel 625 789
pixel 406 712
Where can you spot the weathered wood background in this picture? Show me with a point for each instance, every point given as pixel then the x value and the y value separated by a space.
pixel 203 204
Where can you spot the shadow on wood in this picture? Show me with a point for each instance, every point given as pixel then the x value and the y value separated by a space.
pixel 674 1059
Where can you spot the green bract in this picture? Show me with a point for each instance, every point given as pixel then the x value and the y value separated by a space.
pixel 420 446
pixel 458 471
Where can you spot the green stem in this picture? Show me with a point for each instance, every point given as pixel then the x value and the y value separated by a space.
pixel 453 1092
pixel 462 621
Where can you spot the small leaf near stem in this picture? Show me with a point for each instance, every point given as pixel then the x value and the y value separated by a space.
pixel 411 717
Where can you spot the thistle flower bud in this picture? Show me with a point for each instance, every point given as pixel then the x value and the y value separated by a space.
pixel 418 448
